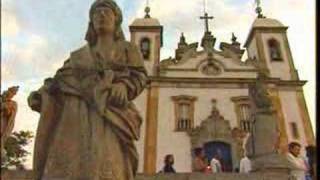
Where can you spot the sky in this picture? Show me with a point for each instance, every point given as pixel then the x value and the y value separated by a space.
pixel 38 35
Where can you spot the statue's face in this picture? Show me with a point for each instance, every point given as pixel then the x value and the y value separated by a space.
pixel 103 20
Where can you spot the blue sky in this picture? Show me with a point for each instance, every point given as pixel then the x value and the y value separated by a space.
pixel 38 35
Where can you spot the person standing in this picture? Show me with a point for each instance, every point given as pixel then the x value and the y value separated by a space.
pixel 298 166
pixel 245 164
pixel 215 164
pixel 199 163
pixel 168 164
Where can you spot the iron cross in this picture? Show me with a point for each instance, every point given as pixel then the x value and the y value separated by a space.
pixel 206 20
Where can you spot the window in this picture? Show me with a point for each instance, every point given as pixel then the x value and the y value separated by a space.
pixel 184 119
pixel 145 46
pixel 184 112
pixel 243 113
pixel 245 117
pixel 274 50
pixel 294 130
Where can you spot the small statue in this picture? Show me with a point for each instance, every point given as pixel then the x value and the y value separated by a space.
pixel 8 113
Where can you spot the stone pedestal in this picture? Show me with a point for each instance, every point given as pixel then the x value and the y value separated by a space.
pixel 263 143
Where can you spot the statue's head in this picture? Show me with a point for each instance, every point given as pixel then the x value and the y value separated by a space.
pixel 12 91
pixel 105 17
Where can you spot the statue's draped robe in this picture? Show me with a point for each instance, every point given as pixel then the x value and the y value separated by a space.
pixel 8 114
pixel 74 139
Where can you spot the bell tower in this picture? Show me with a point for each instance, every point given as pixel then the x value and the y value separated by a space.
pixel 268 44
pixel 146 33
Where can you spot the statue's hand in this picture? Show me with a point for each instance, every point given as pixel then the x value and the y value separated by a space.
pixel 118 95
pixel 34 101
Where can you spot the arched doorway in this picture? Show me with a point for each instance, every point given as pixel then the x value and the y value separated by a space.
pixel 224 152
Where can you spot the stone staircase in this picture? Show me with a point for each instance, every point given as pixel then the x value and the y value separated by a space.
pixel 27 175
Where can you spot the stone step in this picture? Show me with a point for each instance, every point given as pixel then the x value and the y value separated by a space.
pixel 27 175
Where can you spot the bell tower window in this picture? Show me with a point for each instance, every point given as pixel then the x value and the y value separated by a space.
pixel 145 46
pixel 274 50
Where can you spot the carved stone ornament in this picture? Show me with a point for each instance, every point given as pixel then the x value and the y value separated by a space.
pixel 211 68
pixel 214 128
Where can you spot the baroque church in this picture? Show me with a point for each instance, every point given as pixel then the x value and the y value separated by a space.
pixel 199 98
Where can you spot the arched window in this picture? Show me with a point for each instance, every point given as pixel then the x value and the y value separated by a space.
pixel 274 50
pixel 145 46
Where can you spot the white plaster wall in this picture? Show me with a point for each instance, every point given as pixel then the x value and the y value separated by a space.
pixel 152 36
pixel 291 112
pixel 278 69
pixel 141 104
pixel 178 143
pixel 252 49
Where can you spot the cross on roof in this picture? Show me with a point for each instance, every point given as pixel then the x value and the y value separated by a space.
pixel 147 10
pixel 206 21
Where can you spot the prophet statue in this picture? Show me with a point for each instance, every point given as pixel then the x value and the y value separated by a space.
pixel 88 122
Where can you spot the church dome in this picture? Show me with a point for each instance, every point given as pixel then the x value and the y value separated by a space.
pixel 146 22
pixel 266 22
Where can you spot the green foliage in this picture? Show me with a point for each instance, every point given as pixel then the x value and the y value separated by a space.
pixel 15 154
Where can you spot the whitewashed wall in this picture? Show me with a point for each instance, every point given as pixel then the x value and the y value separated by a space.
pixel 141 104
pixel 178 143
pixel 291 112
pixel 252 48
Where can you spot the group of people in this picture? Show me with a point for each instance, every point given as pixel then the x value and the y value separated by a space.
pixel 302 168
pixel 200 162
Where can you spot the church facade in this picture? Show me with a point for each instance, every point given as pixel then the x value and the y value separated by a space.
pixel 199 98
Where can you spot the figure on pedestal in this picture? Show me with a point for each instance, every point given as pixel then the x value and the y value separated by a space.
pixel 88 122
pixel 8 114
pixel 263 142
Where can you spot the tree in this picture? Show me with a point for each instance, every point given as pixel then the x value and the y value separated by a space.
pixel 15 153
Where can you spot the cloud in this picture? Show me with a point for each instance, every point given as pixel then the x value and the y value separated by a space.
pixel 10 26
pixel 31 59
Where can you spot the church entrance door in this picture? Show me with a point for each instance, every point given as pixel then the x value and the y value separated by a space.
pixel 224 152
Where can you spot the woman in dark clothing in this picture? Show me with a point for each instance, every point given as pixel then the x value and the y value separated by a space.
pixel 168 164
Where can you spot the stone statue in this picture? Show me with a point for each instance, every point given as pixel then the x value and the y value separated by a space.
pixel 8 114
pixel 259 94
pixel 263 142
pixel 88 123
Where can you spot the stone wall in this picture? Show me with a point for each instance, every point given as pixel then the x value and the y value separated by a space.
pixel 27 175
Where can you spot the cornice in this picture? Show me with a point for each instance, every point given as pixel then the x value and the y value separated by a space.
pixel 177 80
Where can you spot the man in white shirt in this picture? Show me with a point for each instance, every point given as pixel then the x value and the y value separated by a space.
pixel 245 164
pixel 215 164
pixel 298 167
